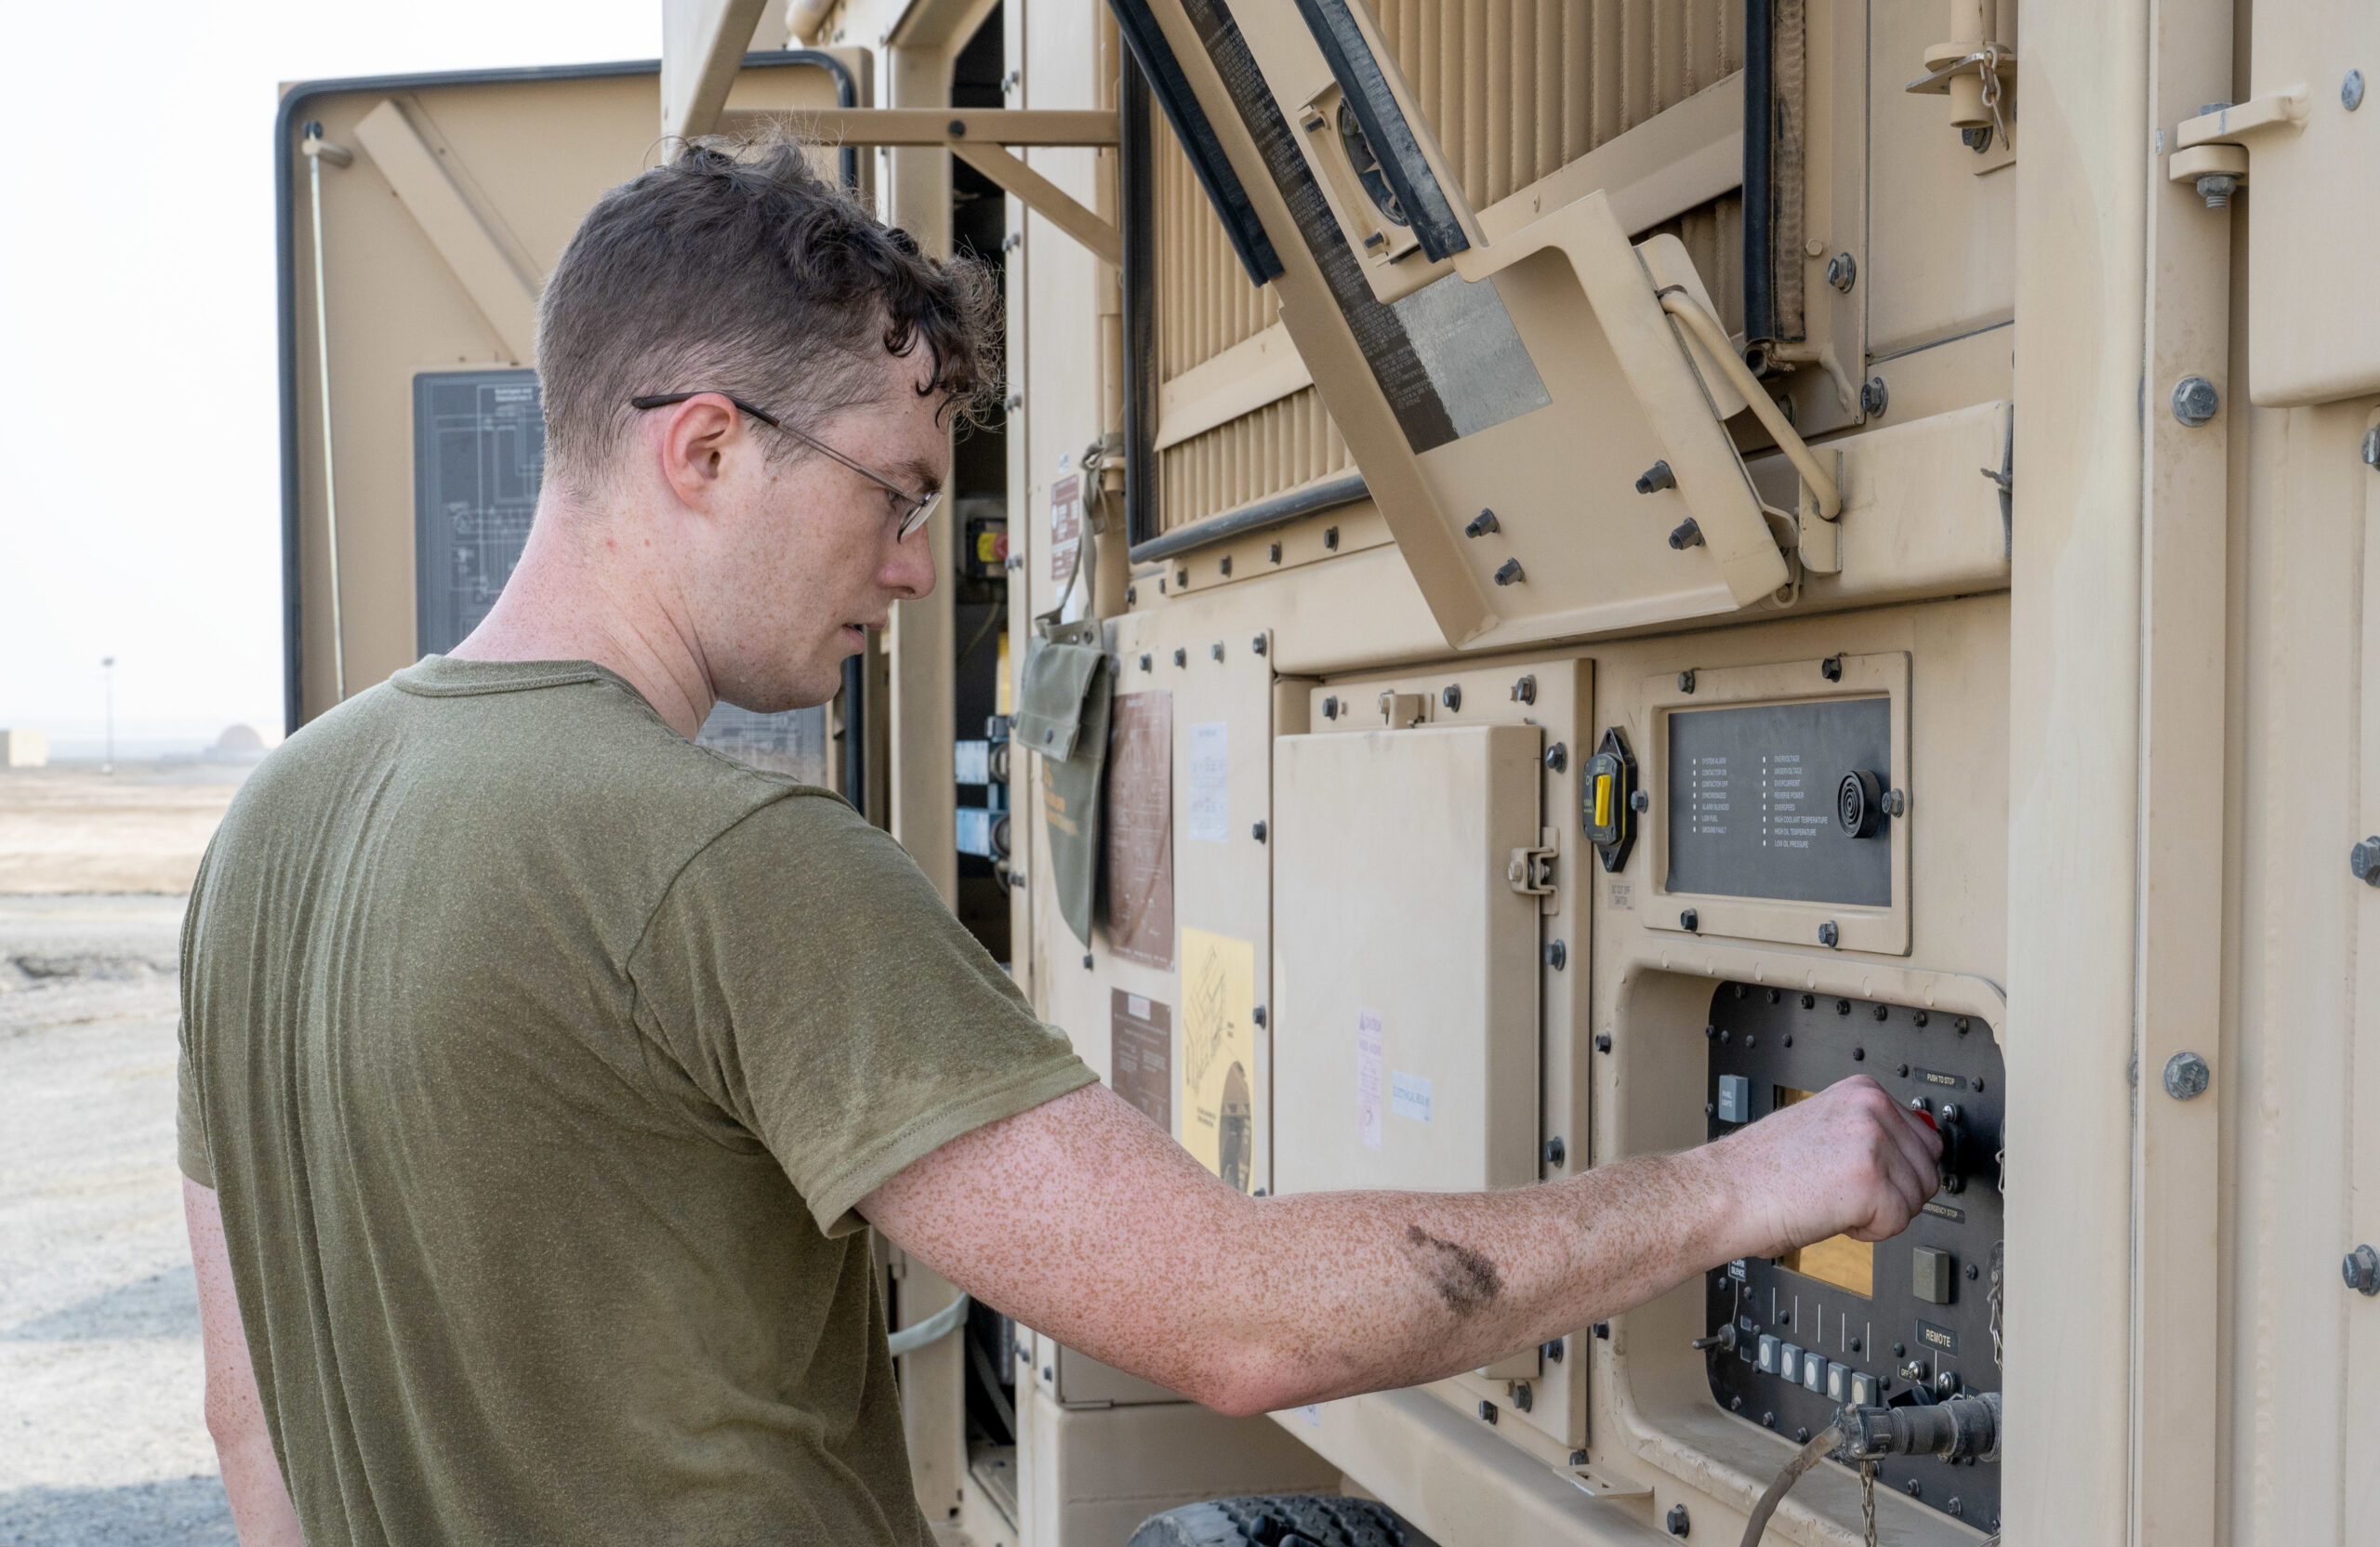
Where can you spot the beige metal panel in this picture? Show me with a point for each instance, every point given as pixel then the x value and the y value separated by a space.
pixel 702 44
pixel 1089 1476
pixel 1076 1379
pixel 526 158
pixel 2073 755
pixel 2360 1429
pixel 2311 223
pixel 1407 1042
pixel 504 294
pixel 1886 675
pixel 830 125
pixel 933 1384
pixel 1941 248
pixel 2184 573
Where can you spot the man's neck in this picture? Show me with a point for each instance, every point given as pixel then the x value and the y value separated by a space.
pixel 568 601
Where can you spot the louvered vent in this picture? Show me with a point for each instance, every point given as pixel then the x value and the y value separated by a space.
pixel 1514 90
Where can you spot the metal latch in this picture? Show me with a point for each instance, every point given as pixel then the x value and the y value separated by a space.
pixel 1530 871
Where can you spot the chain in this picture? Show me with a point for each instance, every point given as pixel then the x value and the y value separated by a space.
pixel 1867 1498
pixel 1991 70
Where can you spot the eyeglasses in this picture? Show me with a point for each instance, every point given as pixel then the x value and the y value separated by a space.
pixel 915 508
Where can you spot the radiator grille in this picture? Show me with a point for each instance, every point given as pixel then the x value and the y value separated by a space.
pixel 1514 90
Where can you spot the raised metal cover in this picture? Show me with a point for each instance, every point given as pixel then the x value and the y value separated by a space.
pixel 1537 376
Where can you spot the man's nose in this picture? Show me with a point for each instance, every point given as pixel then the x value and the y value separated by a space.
pixel 909 571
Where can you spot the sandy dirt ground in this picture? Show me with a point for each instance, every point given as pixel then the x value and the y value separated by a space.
pixel 72 830
pixel 102 1437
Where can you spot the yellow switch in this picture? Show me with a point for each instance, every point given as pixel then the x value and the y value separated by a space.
pixel 1603 801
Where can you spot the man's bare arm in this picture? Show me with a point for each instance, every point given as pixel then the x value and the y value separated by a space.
pixel 260 1507
pixel 1083 1220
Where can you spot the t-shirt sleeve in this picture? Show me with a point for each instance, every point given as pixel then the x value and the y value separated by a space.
pixel 807 976
pixel 189 1121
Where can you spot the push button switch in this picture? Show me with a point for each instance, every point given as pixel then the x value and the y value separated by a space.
pixel 1735 1099
pixel 1931 1272
pixel 1769 1351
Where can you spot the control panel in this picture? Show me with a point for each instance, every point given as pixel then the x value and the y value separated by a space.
pixel 1911 1321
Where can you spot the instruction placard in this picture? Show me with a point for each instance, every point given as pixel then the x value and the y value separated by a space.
pixel 1139 828
pixel 1219 1054
pixel 1208 770
pixel 1065 527
pixel 1141 1054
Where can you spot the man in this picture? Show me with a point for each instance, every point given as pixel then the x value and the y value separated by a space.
pixel 542 1069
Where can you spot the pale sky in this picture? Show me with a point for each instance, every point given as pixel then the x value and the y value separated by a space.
pixel 139 427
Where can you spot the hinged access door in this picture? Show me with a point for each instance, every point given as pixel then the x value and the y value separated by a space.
pixel 1524 412
pixel 1405 1049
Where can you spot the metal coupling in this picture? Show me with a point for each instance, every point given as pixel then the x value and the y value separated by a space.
pixel 1956 1430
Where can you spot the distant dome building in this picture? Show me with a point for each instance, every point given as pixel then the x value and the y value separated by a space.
pixel 237 744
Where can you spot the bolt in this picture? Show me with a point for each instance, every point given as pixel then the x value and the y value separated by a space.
pixel 1557 954
pixel 1216 650
pixel 1690 921
pixel 1640 800
pixel 1452 697
pixel 1525 691
pixel 1809 1001
pixel 1843 271
pixel 1789 1038
pixel 1131 595
pixel 1735 1404
pixel 1768 1420
pixel 1603 1043
pixel 1508 572
pixel 1258 644
pixel 1973 1273
pixel 1481 524
pixel 1656 477
pixel 1686 682
pixel 1522 1397
pixel 2351 90
pixel 2361 1270
pixel 1551 1352
pixel 1555 1152
pixel 1257 832
pixel 1855 1345
pixel 1603 1331
pixel 1181 657
pixel 1330 538
pixel 1874 397
pixel 1802 1433
pixel 1881 1013
pixel 1331 706
pixel 2371 447
pixel 1223 566
pixel 2364 861
pixel 1709 1032
pixel 1557 757
pixel 1843 1007
pixel 2186 1076
pixel 1258 1015
pixel 1831 668
pixel 1144 660
pixel 1486 1412
pixel 1904 1071
pixel 1679 1522
pixel 2195 401
pixel 2217 188
pixel 1916 1489
pixel 1896 802
pixel 1954 1506
pixel 1182 578
pixel 1828 935
pixel 1687 534
pixel 1086 961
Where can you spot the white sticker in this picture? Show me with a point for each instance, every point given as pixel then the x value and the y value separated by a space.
pixel 1137 1006
pixel 1408 1096
pixel 1368 1066
pixel 1210 794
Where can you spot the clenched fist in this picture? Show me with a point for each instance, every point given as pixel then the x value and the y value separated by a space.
pixel 1847 1161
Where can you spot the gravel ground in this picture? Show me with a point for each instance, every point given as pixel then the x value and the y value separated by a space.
pixel 102 1440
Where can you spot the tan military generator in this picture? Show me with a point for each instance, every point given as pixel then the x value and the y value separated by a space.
pixel 1644 557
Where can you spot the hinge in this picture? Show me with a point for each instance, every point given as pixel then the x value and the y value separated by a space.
pixel 1530 871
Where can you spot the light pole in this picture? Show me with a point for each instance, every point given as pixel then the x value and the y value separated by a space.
pixel 107 665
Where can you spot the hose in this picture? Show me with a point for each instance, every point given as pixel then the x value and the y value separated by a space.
pixel 1806 1457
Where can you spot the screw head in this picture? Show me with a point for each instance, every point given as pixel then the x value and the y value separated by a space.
pixel 2361 1270
pixel 1874 397
pixel 1555 1151
pixel 1831 668
pixel 1858 1055
pixel 1331 706
pixel 1509 572
pixel 1256 644
pixel 1687 534
pixel 1131 595
pixel 1452 697
pixel 2195 401
pixel 1640 800
pixel 1257 832
pixel 1258 1015
pixel 1144 660
pixel 1603 1041
pixel 1656 477
pixel 1557 757
pixel 2363 860
pixel 1686 680
pixel 1680 1523
pixel 1843 271
pixel 1330 538
pixel 1557 954
pixel 1525 690
pixel 1690 921
pixel 2371 447
pixel 1181 657
pixel 1486 1412
pixel 1216 650
pixel 1829 936
pixel 1480 524
pixel 1522 1397
pixel 2186 1076
pixel 2351 90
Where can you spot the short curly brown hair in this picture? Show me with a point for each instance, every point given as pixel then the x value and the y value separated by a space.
pixel 734 268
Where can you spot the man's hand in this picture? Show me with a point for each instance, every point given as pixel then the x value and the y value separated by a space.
pixel 1081 1218
pixel 1848 1161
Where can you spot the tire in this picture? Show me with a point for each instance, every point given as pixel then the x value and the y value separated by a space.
pixel 1280 1520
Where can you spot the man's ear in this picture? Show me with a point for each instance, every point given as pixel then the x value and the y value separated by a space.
pixel 696 439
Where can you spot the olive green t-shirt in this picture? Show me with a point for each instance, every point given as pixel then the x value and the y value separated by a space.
pixel 539 1057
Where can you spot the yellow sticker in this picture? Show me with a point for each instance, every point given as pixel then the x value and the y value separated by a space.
pixel 1218 1103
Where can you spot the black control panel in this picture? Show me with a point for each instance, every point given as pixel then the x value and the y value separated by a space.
pixel 1757 802
pixel 1911 1320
